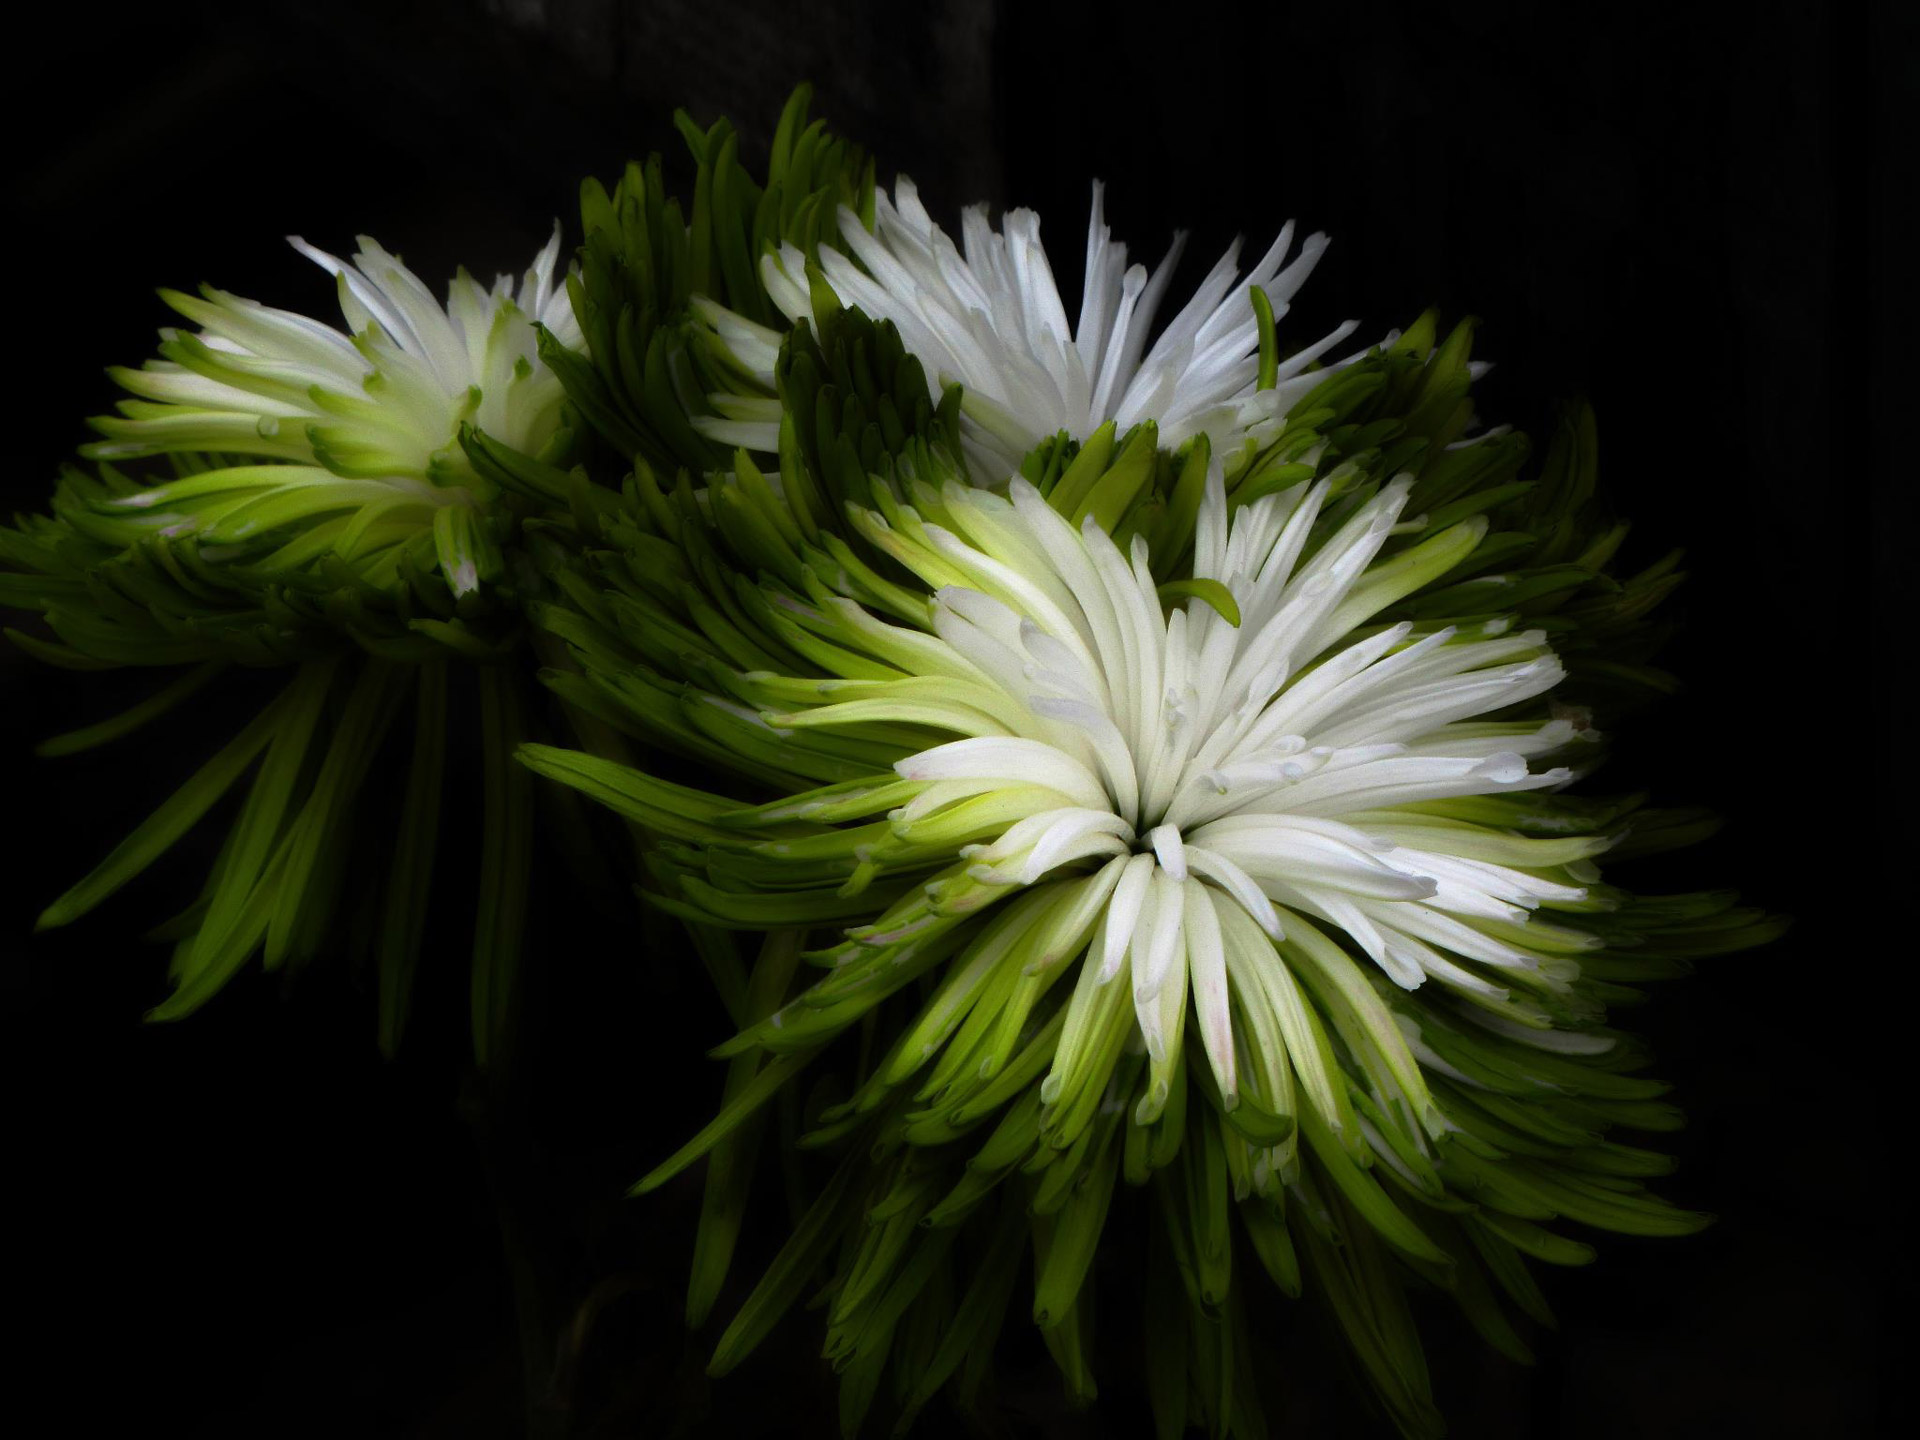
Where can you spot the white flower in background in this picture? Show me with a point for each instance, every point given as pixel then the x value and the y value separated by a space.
pixel 359 428
pixel 987 315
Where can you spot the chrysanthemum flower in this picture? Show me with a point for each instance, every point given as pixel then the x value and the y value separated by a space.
pixel 322 513
pixel 353 437
pixel 344 502
pixel 1245 754
pixel 988 318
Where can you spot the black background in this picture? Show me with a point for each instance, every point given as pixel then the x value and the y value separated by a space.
pixel 248 1224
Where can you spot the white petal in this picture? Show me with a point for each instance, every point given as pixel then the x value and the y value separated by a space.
pixel 1123 914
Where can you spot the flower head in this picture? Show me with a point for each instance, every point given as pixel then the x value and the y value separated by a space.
pixel 1255 756
pixel 1182 777
pixel 342 443
pixel 987 315
pixel 322 513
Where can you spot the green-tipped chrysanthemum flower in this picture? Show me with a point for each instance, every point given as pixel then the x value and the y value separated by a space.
pixel 318 511
pixel 343 445
pixel 1169 777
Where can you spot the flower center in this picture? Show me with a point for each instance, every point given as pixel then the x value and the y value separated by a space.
pixel 1165 843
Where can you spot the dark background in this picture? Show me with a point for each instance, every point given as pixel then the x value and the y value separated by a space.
pixel 248 1224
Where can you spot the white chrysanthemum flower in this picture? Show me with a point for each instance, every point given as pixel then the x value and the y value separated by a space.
pixel 1245 755
pixel 385 398
pixel 363 422
pixel 987 315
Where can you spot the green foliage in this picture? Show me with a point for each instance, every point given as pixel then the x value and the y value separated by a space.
pixel 650 363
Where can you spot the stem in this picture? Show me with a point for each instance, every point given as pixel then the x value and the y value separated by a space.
pixel 500 1132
